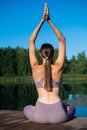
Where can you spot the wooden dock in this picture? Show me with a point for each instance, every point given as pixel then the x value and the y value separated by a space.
pixel 15 120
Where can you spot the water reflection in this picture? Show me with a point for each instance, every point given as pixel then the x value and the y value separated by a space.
pixel 77 96
pixel 77 100
pixel 16 96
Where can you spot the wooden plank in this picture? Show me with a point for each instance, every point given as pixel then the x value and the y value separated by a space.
pixel 15 120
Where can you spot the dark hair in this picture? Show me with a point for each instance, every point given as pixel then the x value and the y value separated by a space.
pixel 47 52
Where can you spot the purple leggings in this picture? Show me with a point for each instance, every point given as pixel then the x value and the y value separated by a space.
pixel 48 113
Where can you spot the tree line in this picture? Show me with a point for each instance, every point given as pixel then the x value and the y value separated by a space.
pixel 15 62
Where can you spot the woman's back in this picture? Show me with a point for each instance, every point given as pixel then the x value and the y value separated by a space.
pixel 43 95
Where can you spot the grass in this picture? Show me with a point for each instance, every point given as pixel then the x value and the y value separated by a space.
pixel 29 79
pixel 17 79
pixel 75 77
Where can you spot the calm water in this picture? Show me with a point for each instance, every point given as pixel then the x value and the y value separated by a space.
pixel 16 96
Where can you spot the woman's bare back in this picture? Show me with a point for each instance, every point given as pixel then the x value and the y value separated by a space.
pixel 43 95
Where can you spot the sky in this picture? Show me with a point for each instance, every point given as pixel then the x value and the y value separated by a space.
pixel 18 19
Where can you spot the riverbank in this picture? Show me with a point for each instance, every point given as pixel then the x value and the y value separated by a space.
pixel 15 120
pixel 29 79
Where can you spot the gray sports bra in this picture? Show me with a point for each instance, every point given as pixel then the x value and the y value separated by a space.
pixel 56 84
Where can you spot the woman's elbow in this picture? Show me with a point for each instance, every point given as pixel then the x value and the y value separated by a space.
pixel 31 39
pixel 63 39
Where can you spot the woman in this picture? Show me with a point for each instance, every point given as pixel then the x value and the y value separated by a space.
pixel 49 107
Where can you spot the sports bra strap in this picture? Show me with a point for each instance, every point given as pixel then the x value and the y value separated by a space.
pixel 56 84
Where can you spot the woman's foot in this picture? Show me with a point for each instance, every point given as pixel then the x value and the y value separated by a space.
pixel 33 107
pixel 68 108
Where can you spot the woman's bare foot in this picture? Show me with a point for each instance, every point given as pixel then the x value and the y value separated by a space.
pixel 33 107
pixel 68 108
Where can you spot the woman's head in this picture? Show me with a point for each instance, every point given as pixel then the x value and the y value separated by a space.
pixel 47 51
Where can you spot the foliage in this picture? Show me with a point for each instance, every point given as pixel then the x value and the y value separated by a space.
pixel 79 65
pixel 15 62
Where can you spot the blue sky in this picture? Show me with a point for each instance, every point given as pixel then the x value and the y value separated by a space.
pixel 18 18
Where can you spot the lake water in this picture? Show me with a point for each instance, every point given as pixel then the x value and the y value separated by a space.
pixel 80 102
pixel 16 96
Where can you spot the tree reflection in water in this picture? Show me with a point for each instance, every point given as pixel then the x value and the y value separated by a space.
pixel 16 96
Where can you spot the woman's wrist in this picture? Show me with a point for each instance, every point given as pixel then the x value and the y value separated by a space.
pixel 49 21
pixel 42 21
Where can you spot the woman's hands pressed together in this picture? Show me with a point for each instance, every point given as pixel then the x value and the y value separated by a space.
pixel 46 16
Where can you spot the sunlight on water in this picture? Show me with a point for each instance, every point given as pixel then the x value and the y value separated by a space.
pixel 80 103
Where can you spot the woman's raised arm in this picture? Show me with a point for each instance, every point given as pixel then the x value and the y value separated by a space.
pixel 32 48
pixel 61 38
pixel 62 45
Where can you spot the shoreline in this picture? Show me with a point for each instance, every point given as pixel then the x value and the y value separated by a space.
pixel 29 79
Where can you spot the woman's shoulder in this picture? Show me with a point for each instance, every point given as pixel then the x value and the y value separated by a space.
pixel 55 68
pixel 37 67
pixel 38 72
pixel 56 73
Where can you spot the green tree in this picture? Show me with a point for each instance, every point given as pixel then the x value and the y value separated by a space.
pixel 78 65
pixel 22 66
pixel 73 65
pixel 7 62
pixel 66 67
pixel 55 55
pixel 1 61
pixel 82 63
pixel 28 66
